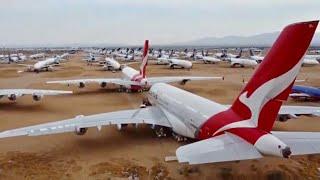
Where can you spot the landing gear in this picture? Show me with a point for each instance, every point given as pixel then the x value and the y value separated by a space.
pixel 179 138
pixel 161 131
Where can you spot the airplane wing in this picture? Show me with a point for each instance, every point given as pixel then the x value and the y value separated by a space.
pixel 299 110
pixel 4 92
pixel 181 79
pixel 226 147
pixel 293 111
pixel 148 115
pixel 99 81
pixel 300 142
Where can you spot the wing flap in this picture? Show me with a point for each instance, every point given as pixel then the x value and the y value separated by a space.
pixel 149 115
pixel 226 147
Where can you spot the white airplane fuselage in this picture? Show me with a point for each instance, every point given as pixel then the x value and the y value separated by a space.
pixel 131 74
pixel 310 62
pixel 112 64
pixel 242 62
pixel 44 64
pixel 180 63
pixel 185 111
pixel 209 59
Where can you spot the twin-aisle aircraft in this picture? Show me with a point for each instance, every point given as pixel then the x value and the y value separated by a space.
pixel 241 131
pixel 36 94
pixel 133 80
pixel 45 65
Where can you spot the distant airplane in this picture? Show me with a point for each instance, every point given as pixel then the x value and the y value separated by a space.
pixel 173 62
pixel 258 58
pixel 37 56
pixel 133 80
pixel 44 65
pixel 92 59
pixel 241 62
pixel 305 92
pixel 310 61
pixel 240 132
pixel 36 94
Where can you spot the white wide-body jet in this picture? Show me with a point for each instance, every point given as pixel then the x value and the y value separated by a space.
pixel 239 132
pixel 310 61
pixel 37 56
pixel 241 62
pixel 37 94
pixel 110 64
pixel 133 80
pixel 45 65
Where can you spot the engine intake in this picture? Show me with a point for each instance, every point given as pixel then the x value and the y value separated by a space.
pixel 37 97
pixel 81 85
pixel 103 84
pixel 80 131
pixel 12 97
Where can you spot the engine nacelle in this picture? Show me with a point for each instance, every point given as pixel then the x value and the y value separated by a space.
pixel 81 85
pixel 13 97
pixel 121 126
pixel 80 131
pixel 37 97
pixel 103 84
pixel 270 145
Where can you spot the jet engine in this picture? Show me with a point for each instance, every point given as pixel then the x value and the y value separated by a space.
pixel 37 97
pixel 103 84
pixel 13 97
pixel 81 85
pixel 80 131
pixel 270 145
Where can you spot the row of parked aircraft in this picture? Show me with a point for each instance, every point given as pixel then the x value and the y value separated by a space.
pixel 224 132
pixel 19 57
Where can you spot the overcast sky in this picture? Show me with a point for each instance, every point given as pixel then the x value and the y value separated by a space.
pixel 29 22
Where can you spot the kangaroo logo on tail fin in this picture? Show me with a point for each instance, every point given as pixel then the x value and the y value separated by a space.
pixel 144 63
pixel 259 103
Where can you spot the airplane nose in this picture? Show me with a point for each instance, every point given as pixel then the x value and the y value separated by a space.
pixel 286 152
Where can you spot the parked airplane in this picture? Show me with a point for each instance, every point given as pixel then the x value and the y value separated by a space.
pixel 37 56
pixel 44 65
pixel 305 92
pixel 240 132
pixel 36 94
pixel 91 59
pixel 111 64
pixel 257 58
pixel 134 80
pixel 241 62
pixel 183 64
pixel 310 62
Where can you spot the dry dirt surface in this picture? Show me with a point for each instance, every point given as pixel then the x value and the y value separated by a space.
pixel 133 152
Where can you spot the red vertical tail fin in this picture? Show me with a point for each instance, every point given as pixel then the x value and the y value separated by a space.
pixel 144 63
pixel 273 79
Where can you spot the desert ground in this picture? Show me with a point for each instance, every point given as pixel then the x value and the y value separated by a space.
pixel 113 154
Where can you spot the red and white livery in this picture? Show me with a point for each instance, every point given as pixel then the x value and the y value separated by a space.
pixel 225 133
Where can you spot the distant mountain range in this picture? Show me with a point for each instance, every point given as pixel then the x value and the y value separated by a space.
pixel 260 40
